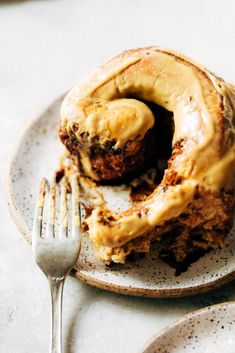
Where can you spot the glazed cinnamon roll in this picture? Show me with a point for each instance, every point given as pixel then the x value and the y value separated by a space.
pixel 111 126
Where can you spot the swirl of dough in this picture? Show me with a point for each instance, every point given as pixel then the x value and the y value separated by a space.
pixel 99 112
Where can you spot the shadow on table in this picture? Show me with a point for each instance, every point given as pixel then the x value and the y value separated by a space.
pixel 16 2
pixel 145 306
pixel 11 2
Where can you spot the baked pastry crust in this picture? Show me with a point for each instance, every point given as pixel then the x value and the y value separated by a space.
pixel 196 191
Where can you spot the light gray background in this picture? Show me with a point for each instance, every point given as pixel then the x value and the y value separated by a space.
pixel 45 47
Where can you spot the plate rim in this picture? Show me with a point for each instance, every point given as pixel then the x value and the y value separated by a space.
pixel 101 284
pixel 182 319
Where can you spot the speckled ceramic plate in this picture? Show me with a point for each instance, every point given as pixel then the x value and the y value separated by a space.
pixel 37 155
pixel 209 330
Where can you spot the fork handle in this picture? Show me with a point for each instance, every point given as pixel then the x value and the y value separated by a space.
pixel 56 286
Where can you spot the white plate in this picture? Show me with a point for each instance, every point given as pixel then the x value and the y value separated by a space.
pixel 209 330
pixel 37 155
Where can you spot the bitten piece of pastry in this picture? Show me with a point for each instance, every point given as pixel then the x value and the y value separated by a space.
pixel 109 128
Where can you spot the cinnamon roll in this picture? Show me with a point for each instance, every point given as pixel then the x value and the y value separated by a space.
pixel 110 125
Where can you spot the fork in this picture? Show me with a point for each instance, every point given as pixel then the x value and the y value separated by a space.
pixel 56 252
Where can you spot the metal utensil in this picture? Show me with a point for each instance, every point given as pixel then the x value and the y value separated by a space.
pixel 56 252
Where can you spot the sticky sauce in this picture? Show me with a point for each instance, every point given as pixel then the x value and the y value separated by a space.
pixel 199 102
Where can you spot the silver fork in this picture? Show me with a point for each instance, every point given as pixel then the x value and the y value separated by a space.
pixel 56 254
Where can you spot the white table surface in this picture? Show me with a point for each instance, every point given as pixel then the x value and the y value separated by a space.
pixel 45 47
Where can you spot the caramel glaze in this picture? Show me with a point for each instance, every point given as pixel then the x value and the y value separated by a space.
pixel 203 151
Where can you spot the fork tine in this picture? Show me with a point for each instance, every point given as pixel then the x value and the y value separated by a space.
pixel 63 209
pixel 51 211
pixel 37 225
pixel 76 208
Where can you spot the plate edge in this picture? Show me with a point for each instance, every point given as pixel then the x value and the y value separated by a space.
pixel 180 320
